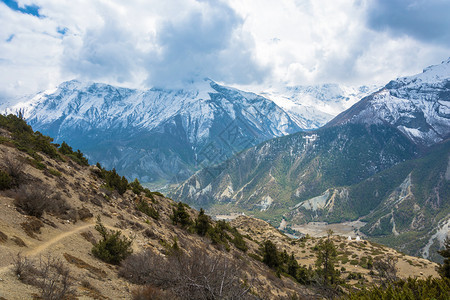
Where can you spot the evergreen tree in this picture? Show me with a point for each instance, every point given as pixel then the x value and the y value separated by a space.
pixel 326 260
pixel 112 248
pixel 202 223
pixel 292 266
pixel 65 149
pixel 181 216
pixel 270 255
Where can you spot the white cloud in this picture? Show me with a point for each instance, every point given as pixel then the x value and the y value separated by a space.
pixel 260 42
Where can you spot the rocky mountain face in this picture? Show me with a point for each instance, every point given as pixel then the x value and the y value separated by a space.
pixel 317 175
pixel 156 135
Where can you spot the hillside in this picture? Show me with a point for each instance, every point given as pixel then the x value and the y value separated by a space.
pixel 50 198
pixel 269 179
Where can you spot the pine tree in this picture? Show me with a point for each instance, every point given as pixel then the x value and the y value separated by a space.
pixel 326 260
pixel 292 266
pixel 181 216
pixel 270 255
pixel 202 223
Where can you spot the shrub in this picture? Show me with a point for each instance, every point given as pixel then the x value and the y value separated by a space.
pixel 50 275
pixel 143 206
pixel 198 276
pixel 112 248
pixel 34 201
pixel 32 226
pixel 411 288
pixel 238 240
pixel 5 180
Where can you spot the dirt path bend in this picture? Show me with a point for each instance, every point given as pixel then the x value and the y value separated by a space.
pixel 55 239
pixel 45 245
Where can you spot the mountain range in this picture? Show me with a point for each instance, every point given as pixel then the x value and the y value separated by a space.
pixel 162 136
pixel 266 156
pixel 366 164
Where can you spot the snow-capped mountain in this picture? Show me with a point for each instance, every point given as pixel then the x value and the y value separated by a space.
pixel 313 106
pixel 419 106
pixel 156 134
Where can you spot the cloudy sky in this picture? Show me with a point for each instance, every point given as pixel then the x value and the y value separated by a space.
pixel 246 43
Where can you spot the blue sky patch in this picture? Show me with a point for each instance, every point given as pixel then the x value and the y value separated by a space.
pixel 62 30
pixel 9 39
pixel 27 9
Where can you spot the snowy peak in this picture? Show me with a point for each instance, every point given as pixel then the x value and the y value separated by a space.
pixel 159 133
pixel 313 106
pixel 418 106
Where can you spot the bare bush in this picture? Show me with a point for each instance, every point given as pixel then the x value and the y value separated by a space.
pixel 34 201
pixel 387 271
pixel 49 274
pixel 198 276
pixel 15 168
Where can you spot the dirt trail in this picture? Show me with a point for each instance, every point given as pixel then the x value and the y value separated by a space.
pixel 42 247
pixel 56 239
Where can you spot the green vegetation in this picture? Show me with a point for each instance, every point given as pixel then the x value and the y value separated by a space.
pixel 112 179
pixel 112 248
pixel 444 269
pixel 411 288
pixel 181 216
pixel 283 263
pixel 31 142
pixel 202 223
pixel 326 261
pixel 5 180
pixel 270 255
pixel 143 206
pixel 76 156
